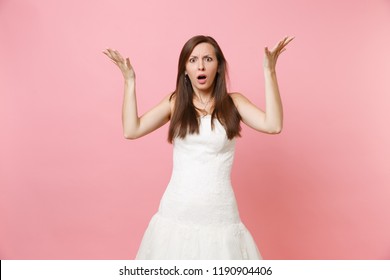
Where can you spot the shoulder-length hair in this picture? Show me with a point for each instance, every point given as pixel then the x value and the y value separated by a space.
pixel 185 116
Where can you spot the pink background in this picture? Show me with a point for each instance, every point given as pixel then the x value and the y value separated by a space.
pixel 71 187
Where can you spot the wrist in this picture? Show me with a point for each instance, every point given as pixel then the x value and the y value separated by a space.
pixel 269 72
pixel 129 81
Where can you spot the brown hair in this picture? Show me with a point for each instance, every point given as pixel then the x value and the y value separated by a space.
pixel 185 117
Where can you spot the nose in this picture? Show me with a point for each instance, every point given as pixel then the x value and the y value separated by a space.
pixel 200 65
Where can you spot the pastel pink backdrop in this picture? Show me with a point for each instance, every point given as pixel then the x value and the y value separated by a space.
pixel 71 187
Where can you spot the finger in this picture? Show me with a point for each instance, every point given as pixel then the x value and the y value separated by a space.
pixel 267 53
pixel 277 55
pixel 277 47
pixel 282 44
pixel 287 40
pixel 109 56
pixel 114 55
pixel 107 53
pixel 290 39
pixel 111 53
pixel 114 61
pixel 119 56
pixel 128 63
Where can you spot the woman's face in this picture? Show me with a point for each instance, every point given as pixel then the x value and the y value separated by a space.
pixel 201 68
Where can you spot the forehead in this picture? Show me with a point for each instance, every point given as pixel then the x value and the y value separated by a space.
pixel 203 49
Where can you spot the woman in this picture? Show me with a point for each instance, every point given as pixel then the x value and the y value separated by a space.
pixel 198 216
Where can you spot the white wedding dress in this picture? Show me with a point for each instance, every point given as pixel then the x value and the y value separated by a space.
pixel 198 216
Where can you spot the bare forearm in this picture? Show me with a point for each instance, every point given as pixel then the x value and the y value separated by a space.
pixel 274 108
pixel 130 120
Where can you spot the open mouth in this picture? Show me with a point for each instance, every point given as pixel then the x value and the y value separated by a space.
pixel 201 78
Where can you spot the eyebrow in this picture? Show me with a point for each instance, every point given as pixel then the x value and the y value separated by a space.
pixel 207 55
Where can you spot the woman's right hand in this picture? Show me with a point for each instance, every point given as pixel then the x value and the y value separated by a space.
pixel 123 64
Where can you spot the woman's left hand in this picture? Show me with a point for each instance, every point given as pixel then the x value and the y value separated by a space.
pixel 271 57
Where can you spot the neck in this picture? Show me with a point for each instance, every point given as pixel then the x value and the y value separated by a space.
pixel 203 95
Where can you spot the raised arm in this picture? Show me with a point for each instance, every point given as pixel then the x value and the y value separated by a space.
pixel 134 126
pixel 270 120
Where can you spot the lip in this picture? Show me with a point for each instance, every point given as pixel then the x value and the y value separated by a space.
pixel 201 81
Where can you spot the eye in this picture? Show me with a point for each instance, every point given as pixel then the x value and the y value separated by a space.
pixel 208 58
pixel 192 60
